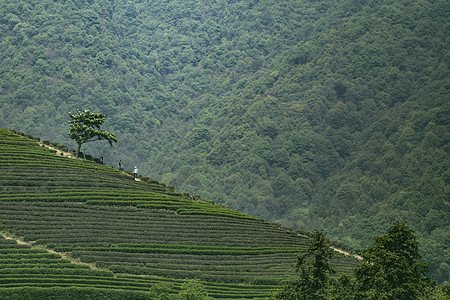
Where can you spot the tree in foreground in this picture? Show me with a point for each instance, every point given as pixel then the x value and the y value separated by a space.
pixel 85 127
pixel 313 269
pixel 193 290
pixel 392 268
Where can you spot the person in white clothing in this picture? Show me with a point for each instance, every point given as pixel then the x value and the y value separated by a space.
pixel 135 172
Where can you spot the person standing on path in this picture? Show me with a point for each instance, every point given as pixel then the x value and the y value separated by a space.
pixel 120 165
pixel 135 172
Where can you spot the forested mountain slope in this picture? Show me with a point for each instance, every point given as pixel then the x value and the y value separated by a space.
pixel 317 114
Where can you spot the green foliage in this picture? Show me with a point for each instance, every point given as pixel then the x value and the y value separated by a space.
pixel 312 281
pixel 161 291
pixel 392 268
pixel 85 127
pixel 238 100
pixel 192 290
pixel 70 293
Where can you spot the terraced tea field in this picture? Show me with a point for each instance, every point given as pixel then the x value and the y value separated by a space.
pixel 134 235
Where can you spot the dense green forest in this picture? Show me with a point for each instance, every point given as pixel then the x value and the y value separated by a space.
pixel 314 114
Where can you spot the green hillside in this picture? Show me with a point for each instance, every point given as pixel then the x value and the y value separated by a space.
pixel 311 113
pixel 127 236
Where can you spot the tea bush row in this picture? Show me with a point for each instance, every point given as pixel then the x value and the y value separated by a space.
pixel 68 282
pixel 128 287
pixel 151 200
pixel 108 198
pixel 34 156
pixel 228 268
pixel 216 290
pixel 227 277
pixel 137 218
pixel 191 265
pixel 48 269
pixel 220 290
pixel 65 275
pixel 45 184
pixel 36 264
pixel 90 236
pixel 12 135
pixel 63 178
pixel 117 193
pixel 36 222
pixel 262 261
pixel 187 249
pixel 61 271
pixel 45 162
pixel 41 156
pixel 18 262
pixel 70 293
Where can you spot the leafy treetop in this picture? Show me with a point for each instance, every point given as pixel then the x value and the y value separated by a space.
pixel 85 127
pixel 313 274
pixel 392 268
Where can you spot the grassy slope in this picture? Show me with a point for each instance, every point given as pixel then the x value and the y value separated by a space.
pixel 98 215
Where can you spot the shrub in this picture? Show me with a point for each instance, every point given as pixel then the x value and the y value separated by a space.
pixel 266 281
pixel 46 142
pixel 63 148
pixel 193 290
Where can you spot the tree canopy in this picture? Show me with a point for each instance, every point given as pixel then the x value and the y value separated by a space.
pixel 392 266
pixel 314 269
pixel 85 127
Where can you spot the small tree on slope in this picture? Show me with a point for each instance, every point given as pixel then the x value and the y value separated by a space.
pixel 85 127
pixel 313 276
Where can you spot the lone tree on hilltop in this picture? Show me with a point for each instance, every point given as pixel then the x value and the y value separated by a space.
pixel 85 127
